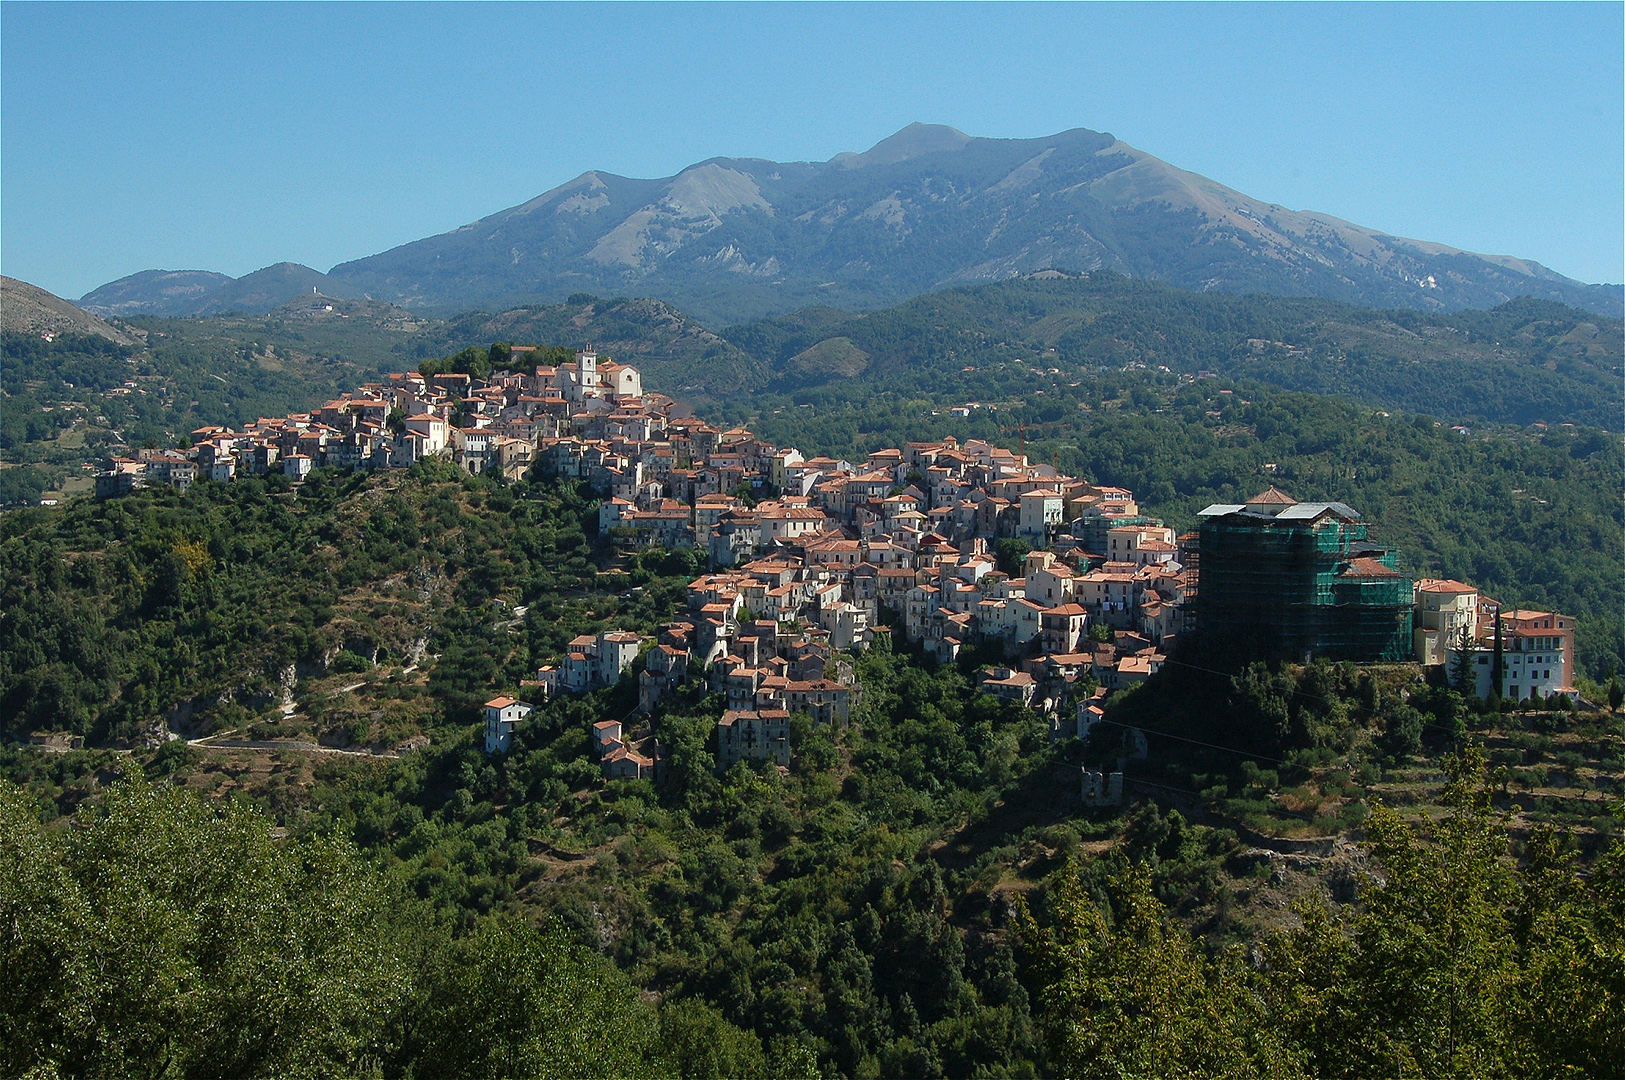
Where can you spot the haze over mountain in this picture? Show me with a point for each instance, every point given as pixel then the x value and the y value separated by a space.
pixel 731 239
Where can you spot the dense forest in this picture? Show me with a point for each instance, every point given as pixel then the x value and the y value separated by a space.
pixel 927 915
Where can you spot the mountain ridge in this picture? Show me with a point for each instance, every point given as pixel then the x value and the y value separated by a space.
pixel 735 238
pixel 732 239
pixel 204 292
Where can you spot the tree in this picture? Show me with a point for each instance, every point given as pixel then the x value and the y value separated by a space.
pixel 514 1001
pixel 703 1044
pixel 1133 995
pixel 1012 552
pixel 1402 732
pixel 165 934
pixel 1434 957
pixel 1461 963
pixel 1498 664
pixel 1461 664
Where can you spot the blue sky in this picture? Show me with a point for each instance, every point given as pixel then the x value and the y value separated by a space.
pixel 230 137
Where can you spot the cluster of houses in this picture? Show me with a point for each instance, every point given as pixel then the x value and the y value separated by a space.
pixel 492 424
pixel 766 671
pixel 813 556
pixel 908 540
pixel 1063 583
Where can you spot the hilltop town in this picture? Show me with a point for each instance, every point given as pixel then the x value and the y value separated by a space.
pixel 1064 589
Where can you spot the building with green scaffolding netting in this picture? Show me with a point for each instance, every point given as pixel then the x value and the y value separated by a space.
pixel 1303 578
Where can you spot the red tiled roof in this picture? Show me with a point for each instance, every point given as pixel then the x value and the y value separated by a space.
pixel 1366 567
pixel 1444 586
pixel 1272 496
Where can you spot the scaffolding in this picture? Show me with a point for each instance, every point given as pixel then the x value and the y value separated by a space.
pixel 1307 581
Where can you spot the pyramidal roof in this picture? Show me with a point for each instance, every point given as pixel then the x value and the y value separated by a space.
pixel 1273 496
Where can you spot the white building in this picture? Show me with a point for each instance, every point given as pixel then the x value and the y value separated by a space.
pixel 1444 611
pixel 1534 662
pixel 1041 511
pixel 616 651
pixel 502 715
pixel 590 379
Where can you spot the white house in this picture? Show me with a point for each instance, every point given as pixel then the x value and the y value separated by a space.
pixel 432 432
pixel 1041 511
pixel 1444 611
pixel 502 715
pixel 616 651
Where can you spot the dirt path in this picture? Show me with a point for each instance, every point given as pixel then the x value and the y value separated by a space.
pixel 224 742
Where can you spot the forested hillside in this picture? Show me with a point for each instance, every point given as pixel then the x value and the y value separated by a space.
pixel 921 893
pixel 209 605
pixel 863 913
pixel 1522 362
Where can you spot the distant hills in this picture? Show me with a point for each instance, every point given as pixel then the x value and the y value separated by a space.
pixel 203 292
pixel 1524 361
pixel 154 292
pixel 732 239
pixel 1521 362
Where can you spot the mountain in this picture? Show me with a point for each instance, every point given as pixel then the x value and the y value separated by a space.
pixel 202 292
pixel 272 287
pixel 731 239
pixel 28 309
pixel 154 292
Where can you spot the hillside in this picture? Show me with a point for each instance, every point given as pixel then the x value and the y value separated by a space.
pixel 676 354
pixel 921 892
pixel 247 591
pixel 270 288
pixel 730 239
pixel 65 403
pixel 1523 362
pixel 154 292
pixel 28 309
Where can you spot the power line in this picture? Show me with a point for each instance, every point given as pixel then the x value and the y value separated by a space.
pixel 1198 742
